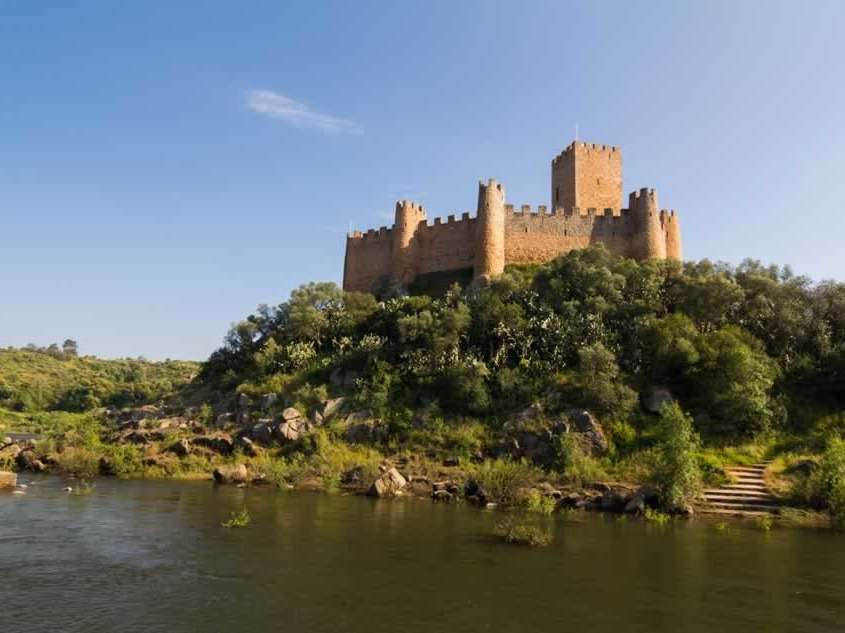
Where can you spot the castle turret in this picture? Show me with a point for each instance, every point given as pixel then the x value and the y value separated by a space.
pixel 490 231
pixel 649 238
pixel 672 230
pixel 402 262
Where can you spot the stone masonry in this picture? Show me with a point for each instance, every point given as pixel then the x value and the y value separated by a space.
pixel 586 196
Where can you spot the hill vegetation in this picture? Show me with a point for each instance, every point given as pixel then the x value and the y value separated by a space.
pixel 683 368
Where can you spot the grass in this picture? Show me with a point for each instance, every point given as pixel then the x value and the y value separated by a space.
pixel 505 481
pixel 514 532
pixel 240 519
pixel 539 503
pixel 655 516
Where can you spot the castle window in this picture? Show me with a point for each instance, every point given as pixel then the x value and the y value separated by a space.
pixel 598 181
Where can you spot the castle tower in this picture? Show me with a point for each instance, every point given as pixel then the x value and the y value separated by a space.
pixel 402 263
pixel 649 239
pixel 490 231
pixel 672 230
pixel 587 176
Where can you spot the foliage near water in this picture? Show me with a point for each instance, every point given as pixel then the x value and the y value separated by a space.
pixel 239 519
pixel 753 355
pixel 516 531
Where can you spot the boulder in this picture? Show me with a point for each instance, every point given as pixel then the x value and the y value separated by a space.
pixel 292 430
pixel 291 414
pixel 223 420
pixel 246 445
pixel 268 400
pixel 237 474
pixel 262 432
pixel 359 416
pixel 244 406
pixel 360 433
pixel 7 479
pixel 654 398
pixel 389 484
pixel 26 460
pixel 218 443
pixel 332 406
pixel 107 467
pixel 635 505
pixel 182 448
pixel 315 417
pixel 585 423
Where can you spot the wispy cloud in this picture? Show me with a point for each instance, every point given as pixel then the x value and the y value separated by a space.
pixel 296 113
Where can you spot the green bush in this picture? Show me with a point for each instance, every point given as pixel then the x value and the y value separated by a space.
pixel 504 481
pixel 829 480
pixel 677 474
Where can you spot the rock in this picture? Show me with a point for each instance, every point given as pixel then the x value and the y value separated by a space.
pixel 106 467
pixel 353 476
pixel 585 423
pixel 316 417
pixel 359 416
pixel 223 420
pixel 244 405
pixel 474 492
pixel 292 430
pixel 389 484
pixel 237 474
pixel 268 401
pixel 360 433
pixel 247 446
pixel 451 462
pixel 138 414
pixel 26 460
pixel 332 406
pixel 635 505
pixel 218 443
pixel 290 414
pixel 442 496
pixel 654 398
pixel 7 479
pixel 182 448
pixel 262 432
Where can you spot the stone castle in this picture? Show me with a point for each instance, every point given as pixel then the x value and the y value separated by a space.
pixel 586 208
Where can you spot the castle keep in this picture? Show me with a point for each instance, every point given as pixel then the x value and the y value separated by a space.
pixel 586 208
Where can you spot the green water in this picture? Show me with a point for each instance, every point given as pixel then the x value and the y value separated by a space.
pixel 151 556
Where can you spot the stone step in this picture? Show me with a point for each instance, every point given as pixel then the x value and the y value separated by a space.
pixel 768 501
pixel 707 510
pixel 739 486
pixel 744 507
pixel 754 470
pixel 762 494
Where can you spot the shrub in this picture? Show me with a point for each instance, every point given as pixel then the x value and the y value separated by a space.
pixel 829 480
pixel 539 503
pixel 504 480
pixel 677 474
pixel 573 460
pixel 511 531
pixel 238 519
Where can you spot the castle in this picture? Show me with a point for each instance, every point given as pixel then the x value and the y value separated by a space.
pixel 586 208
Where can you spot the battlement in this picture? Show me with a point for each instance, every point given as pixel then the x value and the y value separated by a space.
pixel 586 208
pixel 578 145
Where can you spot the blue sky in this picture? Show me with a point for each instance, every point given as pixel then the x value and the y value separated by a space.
pixel 167 166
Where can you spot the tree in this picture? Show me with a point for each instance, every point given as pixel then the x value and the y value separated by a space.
pixel 677 475
pixel 70 348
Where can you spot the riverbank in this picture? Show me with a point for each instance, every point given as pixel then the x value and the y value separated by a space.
pixel 338 450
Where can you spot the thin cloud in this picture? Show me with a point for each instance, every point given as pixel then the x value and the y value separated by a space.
pixel 296 113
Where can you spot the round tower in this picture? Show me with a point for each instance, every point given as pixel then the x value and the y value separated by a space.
pixel 649 238
pixel 490 231
pixel 407 219
pixel 672 230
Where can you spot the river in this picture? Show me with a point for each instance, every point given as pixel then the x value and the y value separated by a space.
pixel 141 556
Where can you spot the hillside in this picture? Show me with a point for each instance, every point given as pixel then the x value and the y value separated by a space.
pixel 36 380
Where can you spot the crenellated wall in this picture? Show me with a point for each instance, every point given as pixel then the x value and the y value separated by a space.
pixel 389 260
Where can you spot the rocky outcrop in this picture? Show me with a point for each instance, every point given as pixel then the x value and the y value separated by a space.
pixel 535 435
pixel 182 448
pixel 262 432
pixel 332 407
pixel 389 484
pixel 292 430
pixel 27 460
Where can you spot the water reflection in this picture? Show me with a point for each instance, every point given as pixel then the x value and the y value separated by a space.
pixel 151 556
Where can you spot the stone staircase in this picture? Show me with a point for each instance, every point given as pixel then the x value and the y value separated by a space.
pixel 747 494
